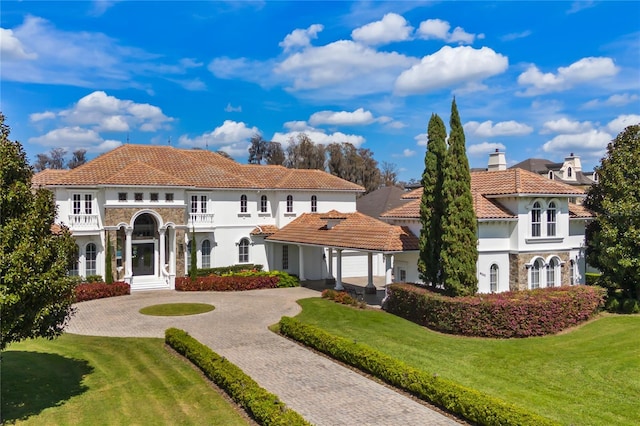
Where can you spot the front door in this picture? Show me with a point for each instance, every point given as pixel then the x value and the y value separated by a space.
pixel 143 258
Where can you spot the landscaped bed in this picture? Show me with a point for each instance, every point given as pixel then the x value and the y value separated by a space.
pixel 177 309
pixel 589 375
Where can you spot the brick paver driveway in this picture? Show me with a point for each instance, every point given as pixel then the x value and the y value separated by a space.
pixel 324 392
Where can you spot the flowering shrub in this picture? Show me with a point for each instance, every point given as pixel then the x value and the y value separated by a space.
pixel 221 270
pixel 226 283
pixel 97 290
pixel 511 314
pixel 342 297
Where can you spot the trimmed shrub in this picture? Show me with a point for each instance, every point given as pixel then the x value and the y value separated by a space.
pixel 592 278
pixel 221 270
pixel 91 291
pixel 474 406
pixel 503 315
pixel 94 279
pixel 343 297
pixel 227 283
pixel 612 305
pixel 263 406
pixel 630 306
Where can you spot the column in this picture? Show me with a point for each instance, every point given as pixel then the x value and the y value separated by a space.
pixel 330 257
pixel 370 288
pixel 128 261
pixel 301 264
pixel 162 250
pixel 339 272
pixel 388 261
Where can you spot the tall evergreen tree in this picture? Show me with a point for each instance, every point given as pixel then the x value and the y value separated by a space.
pixel 431 205
pixel 459 253
pixel 108 267
pixel 193 254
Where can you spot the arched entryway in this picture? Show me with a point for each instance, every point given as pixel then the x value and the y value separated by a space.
pixel 144 246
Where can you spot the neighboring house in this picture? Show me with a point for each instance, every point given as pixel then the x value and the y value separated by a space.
pixel 379 201
pixel 569 171
pixel 530 234
pixel 153 202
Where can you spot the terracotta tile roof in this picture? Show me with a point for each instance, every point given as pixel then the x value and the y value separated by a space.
pixel 577 211
pixel 264 230
pixel 357 231
pixel 484 208
pixel 518 182
pixel 164 165
pixel 47 176
pixel 415 194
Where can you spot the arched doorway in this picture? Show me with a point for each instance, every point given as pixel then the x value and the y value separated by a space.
pixel 144 246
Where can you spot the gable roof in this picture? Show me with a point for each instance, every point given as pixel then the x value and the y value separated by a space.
pixel 356 231
pixel 46 176
pixel 149 165
pixel 379 201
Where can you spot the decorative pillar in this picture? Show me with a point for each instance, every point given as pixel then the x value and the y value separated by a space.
pixel 301 264
pixel 388 261
pixel 128 260
pixel 161 249
pixel 330 262
pixel 339 285
pixel 370 288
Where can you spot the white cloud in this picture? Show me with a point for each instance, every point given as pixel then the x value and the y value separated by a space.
pixel 11 48
pixel 342 118
pixel 616 100
pixel 318 136
pixel 392 27
pixel 39 116
pixel 621 122
pixel 577 6
pixel 230 137
pixel 231 108
pixel 451 66
pixel 487 129
pixel 582 71
pixel 71 138
pixel 108 113
pixel 593 140
pixel 515 36
pixel 408 152
pixel 300 37
pixel 439 30
pixel 421 139
pixel 564 125
pixel 484 148
pixel 300 125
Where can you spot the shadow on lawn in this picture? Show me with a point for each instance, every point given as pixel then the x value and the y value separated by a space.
pixel 33 381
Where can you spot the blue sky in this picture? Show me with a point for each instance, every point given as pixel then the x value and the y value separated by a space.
pixel 536 79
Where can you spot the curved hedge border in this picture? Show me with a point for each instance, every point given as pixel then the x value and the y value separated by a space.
pixel 503 315
pixel 468 403
pixel 91 291
pixel 263 406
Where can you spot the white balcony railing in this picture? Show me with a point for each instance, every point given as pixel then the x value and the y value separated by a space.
pixel 200 219
pixel 83 221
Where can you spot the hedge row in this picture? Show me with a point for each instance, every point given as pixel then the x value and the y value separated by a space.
pixel 502 315
pixel 96 290
pixel 474 406
pixel 229 283
pixel 263 406
pixel 221 270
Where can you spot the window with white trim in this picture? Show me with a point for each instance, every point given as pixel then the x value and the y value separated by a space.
pixel 314 204
pixel 90 257
pixel 122 196
pixel 243 251
pixel 263 204
pixel 206 254
pixel 243 204
pixel 553 272
pixel 572 272
pixel 285 257
pixel 289 203
pixel 76 203
pixel 569 172
pixel 74 266
pixel 535 273
pixel 535 219
pixel 88 203
pixel 551 219
pixel 198 204
pixel 82 204
pixel 493 278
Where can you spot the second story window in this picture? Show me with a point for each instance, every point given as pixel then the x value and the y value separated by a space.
pixel 82 204
pixel 203 204
pixel 88 203
pixel 551 219
pixel 122 196
pixel 535 220
pixel 243 203
pixel 314 204
pixel 137 196
pixel 289 203
pixel 194 204
pixel 168 197
pixel 154 197
pixel 263 204
pixel 76 203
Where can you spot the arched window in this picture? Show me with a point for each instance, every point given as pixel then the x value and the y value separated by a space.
pixel 243 203
pixel 74 266
pixel 243 251
pixel 552 272
pixel 206 254
pixel 289 203
pixel 569 172
pixel 572 272
pixel 551 174
pixel 595 176
pixel 263 204
pixel 551 219
pixel 314 204
pixel 90 256
pixel 493 278
pixel 535 273
pixel 535 219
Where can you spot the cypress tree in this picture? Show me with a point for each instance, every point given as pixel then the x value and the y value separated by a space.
pixel 459 253
pixel 108 270
pixel 431 206
pixel 193 267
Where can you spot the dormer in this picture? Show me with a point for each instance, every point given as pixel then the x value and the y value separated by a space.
pixel 570 167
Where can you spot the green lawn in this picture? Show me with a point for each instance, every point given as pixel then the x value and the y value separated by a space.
pixel 589 376
pixel 177 309
pixel 85 380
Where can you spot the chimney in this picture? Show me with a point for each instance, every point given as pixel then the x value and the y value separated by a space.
pixel 497 161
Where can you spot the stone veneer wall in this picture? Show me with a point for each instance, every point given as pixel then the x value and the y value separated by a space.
pixel 519 274
pixel 115 215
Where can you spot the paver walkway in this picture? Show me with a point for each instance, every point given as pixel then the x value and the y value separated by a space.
pixel 322 391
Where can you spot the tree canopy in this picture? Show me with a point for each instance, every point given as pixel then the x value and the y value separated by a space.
pixel 613 238
pixel 35 292
pixel 55 159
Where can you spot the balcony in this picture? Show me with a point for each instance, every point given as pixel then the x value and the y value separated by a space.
pixel 83 222
pixel 201 220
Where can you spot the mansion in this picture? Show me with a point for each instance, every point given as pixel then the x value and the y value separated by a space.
pixel 152 203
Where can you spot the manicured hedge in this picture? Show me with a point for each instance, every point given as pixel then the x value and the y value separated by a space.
pixel 503 315
pixel 474 406
pixel 90 291
pixel 229 283
pixel 263 406
pixel 221 270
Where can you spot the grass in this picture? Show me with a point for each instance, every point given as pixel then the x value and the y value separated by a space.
pixel 87 380
pixel 587 376
pixel 177 309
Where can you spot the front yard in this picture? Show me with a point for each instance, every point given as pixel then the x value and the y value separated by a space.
pixel 587 376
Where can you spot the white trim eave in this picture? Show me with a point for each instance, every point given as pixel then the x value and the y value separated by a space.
pixel 337 247
pixel 504 219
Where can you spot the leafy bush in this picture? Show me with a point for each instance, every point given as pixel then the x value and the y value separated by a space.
pixel 205 272
pixel 90 291
pixel 630 306
pixel 612 305
pixel 227 283
pixel 94 279
pixel 472 405
pixel 263 406
pixel 592 278
pixel 511 314
pixel 342 297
